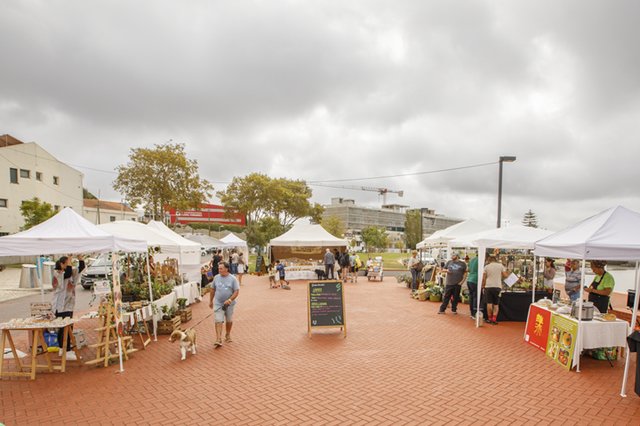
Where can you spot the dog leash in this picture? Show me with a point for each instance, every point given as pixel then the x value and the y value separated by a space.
pixel 204 318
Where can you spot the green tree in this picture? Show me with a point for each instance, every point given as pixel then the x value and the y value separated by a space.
pixel 530 219
pixel 261 232
pixel 162 177
pixel 333 225
pixel 413 228
pixel 374 238
pixel 316 212
pixel 258 196
pixel 88 195
pixel 35 211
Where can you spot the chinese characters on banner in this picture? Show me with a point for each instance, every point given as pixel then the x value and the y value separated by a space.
pixel 562 340
pixel 538 324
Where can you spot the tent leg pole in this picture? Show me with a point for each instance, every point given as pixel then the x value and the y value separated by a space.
pixel 153 315
pixel 623 391
pixel 580 344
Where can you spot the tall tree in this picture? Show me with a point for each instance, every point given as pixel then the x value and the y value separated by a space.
pixel 316 212
pixel 413 228
pixel 334 225
pixel 162 177
pixel 34 212
pixel 530 219
pixel 374 238
pixel 261 232
pixel 258 196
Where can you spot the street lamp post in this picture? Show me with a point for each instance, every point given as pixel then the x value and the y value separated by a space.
pixel 505 159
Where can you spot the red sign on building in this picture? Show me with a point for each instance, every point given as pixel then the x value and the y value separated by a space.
pixel 538 327
pixel 208 213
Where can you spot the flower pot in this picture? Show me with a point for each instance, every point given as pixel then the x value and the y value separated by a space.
pixel 435 298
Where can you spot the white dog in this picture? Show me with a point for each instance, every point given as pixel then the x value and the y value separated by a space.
pixel 187 341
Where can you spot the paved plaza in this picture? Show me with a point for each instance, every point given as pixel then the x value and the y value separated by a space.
pixel 401 363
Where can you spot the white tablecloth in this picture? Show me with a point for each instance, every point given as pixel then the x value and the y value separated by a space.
pixel 189 291
pixel 300 275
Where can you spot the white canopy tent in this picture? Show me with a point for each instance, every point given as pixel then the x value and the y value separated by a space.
pixel 205 240
pixel 189 251
pixel 233 241
pixel 68 232
pixel 613 234
pixel 442 237
pixel 313 238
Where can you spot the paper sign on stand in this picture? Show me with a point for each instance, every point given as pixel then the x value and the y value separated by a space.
pixel 562 340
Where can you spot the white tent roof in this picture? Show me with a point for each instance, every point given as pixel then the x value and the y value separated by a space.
pixel 141 232
pixel 173 236
pixel 67 232
pixel 513 237
pixel 613 234
pixel 303 234
pixel 443 236
pixel 232 240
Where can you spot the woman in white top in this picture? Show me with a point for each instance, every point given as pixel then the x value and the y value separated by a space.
pixel 65 279
pixel 242 268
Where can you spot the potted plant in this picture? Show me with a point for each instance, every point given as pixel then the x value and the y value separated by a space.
pixel 435 293
pixel 170 321
pixel 183 310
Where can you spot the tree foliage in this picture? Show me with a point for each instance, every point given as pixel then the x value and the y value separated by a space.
pixel 413 228
pixel 35 211
pixel 316 212
pixel 162 177
pixel 374 238
pixel 530 219
pixel 87 195
pixel 261 232
pixel 258 196
pixel 333 225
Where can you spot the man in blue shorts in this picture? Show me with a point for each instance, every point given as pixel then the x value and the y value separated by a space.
pixel 223 301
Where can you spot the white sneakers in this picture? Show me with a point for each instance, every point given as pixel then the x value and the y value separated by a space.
pixel 71 356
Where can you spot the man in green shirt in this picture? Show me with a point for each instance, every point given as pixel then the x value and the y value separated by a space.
pixel 472 285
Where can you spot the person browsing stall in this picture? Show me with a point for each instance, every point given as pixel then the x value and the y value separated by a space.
pixel 456 271
pixel 572 280
pixel 494 273
pixel 223 301
pixel 601 287
pixel 65 279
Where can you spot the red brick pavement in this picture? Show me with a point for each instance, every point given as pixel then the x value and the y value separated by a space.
pixel 400 364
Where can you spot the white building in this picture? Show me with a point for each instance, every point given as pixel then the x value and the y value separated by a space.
pixel 30 171
pixel 100 211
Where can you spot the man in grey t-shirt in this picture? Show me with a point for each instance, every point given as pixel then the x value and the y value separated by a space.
pixel 456 274
pixel 329 264
pixel 223 301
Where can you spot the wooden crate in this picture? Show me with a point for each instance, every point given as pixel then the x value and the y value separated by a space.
pixel 185 314
pixel 167 326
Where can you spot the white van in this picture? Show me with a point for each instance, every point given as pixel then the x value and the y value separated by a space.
pixel 99 269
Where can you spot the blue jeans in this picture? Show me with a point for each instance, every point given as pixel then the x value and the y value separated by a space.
pixel 575 296
pixel 414 279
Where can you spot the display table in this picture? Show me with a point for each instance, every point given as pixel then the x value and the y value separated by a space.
pixel 514 306
pixel 593 334
pixel 300 274
pixel 37 337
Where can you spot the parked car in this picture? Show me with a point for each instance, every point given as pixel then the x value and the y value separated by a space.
pixel 99 269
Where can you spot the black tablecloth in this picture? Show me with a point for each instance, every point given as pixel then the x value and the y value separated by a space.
pixel 515 306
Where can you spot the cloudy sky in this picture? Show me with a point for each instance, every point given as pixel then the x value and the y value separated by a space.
pixel 327 90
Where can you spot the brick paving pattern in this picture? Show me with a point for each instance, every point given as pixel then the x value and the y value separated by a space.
pixel 400 364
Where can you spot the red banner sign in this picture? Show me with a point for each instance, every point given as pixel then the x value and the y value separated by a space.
pixel 538 324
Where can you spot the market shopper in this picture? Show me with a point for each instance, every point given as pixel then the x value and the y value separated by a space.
pixel 472 285
pixel 601 287
pixel 222 299
pixel 494 273
pixel 572 280
pixel 217 258
pixel 242 267
pixel 412 267
pixel 234 261
pixel 456 271
pixel 344 266
pixel 65 279
pixel 549 272
pixel 281 272
pixel 329 265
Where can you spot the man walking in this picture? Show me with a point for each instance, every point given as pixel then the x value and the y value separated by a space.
pixel 456 274
pixel 472 285
pixel 329 265
pixel 223 301
pixel 492 278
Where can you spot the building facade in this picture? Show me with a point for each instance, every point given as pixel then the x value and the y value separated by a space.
pixel 212 214
pixel 100 211
pixel 29 171
pixel 390 217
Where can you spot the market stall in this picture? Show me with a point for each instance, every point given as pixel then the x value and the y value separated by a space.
pixel 206 242
pixel 303 248
pixel 613 234
pixel 188 251
pixel 233 241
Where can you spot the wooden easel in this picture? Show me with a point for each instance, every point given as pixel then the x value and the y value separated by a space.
pixel 141 329
pixel 108 336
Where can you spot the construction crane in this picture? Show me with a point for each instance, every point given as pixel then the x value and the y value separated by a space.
pixel 381 191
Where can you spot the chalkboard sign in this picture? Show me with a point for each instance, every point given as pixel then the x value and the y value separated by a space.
pixel 326 305
pixel 259 263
